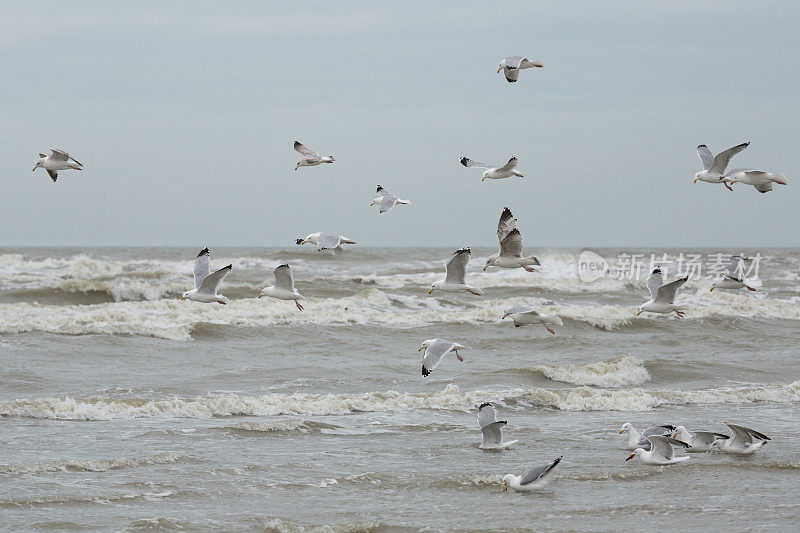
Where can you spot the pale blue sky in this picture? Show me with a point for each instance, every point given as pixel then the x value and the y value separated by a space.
pixel 184 114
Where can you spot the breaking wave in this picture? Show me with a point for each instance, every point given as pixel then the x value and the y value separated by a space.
pixel 618 372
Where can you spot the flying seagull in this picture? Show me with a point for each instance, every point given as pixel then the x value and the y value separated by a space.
pixel 510 254
pixel 310 157
pixel 734 276
pixel 661 451
pixel 523 316
pixel 456 268
pixel 513 64
pixel 494 173
pixel 325 241
pixel 662 296
pixel 714 167
pixel 284 287
pixel 57 160
pixel 206 283
pixel 759 179
pixel 534 479
pixel 492 428
pixel 387 200
pixel 435 350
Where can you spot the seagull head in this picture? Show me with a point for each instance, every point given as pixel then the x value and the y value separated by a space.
pixel 426 344
pixel 184 295
pixel 641 309
pixel 489 262
pixel 39 163
pixel 625 427
pixel 501 65
pixel 506 479
pixel 485 175
pixel 434 287
pixel 696 177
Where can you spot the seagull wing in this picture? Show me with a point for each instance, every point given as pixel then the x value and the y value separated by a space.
pixel 539 472
pixel 327 241
pixel 658 430
pixel 512 244
pixel 300 147
pixel 520 310
pixel 387 202
pixel 456 266
pixel 487 414
pixel 723 158
pixel 705 156
pixel 54 175
pixel 654 282
pixel 511 165
pixel 202 267
pixel 434 354
pixel 467 162
pixel 506 224
pixel 212 281
pixel 514 62
pixel 765 187
pixel 742 431
pixel 527 63
pixel 667 292
pixel 662 445
pixel 59 154
pixel 283 278
pixel 734 267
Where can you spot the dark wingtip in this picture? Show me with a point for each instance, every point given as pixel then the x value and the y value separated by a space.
pixel 464 160
pixel 701 146
pixel 425 371
pixel 484 404
pixel 656 270
pixel 284 265
pixel 379 189
pixel 204 251
pixel 229 266
pixel 298 241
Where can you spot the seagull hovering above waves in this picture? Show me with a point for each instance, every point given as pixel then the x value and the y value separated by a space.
pixel 435 350
pixel 494 173
pixel 637 440
pixel 536 478
pixel 743 441
pixel 510 254
pixel 523 316
pixel 513 64
pixel 387 200
pixel 310 157
pixel 491 428
pixel 325 241
pixel 284 287
pixel 661 451
pixel 662 296
pixel 734 276
pixel 761 180
pixel 206 282
pixel 714 167
pixel 57 160
pixel 456 268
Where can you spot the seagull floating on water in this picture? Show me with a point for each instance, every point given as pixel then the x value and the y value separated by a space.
pixel 435 350
pixel 510 254
pixel 662 296
pixel 387 200
pixel 637 440
pixel 494 173
pixel 734 276
pixel 714 167
pixel 284 287
pixel 524 316
pixel 698 441
pixel 743 441
pixel 661 451
pixel 536 478
pixel 206 283
pixel 513 64
pixel 456 268
pixel 310 157
pixel 325 241
pixel 492 428
pixel 57 160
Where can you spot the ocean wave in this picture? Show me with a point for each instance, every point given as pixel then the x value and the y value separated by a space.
pixel 89 465
pixel 295 424
pixel 281 525
pixel 450 398
pixel 617 372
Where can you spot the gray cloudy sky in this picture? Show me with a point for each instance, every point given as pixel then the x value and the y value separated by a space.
pixel 184 115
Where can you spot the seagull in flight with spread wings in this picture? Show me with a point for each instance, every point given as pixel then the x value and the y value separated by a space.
pixel 513 64
pixel 310 157
pixel 57 160
pixel 206 282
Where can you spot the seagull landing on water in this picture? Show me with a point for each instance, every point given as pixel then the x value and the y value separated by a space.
pixel 456 268
pixel 284 287
pixel 387 200
pixel 714 167
pixel 325 241
pixel 57 160
pixel 513 64
pixel 523 316
pixel 310 157
pixel 206 283
pixel 535 478
pixel 759 179
pixel 661 451
pixel 698 441
pixel 494 173
pixel 637 440
pixel 743 441
pixel 435 350
pixel 492 428
pixel 662 296
pixel 734 276
pixel 510 254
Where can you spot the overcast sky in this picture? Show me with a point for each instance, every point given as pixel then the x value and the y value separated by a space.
pixel 184 114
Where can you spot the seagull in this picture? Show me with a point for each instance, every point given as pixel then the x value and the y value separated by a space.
pixel 743 441
pixel 513 64
pixel 661 451
pixel 759 179
pixel 698 441
pixel 523 316
pixel 57 160
pixel 456 268
pixel 636 440
pixel 535 478
pixel 284 287
pixel 310 157
pixel 714 166
pixel 325 241
pixel 492 428
pixel 494 173
pixel 205 284
pixel 510 254
pixel 734 276
pixel 387 200
pixel 435 350
pixel 662 296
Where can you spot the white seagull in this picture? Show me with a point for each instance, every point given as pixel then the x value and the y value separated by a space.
pixel 523 316
pixel 284 287
pixel 510 254
pixel 639 440
pixel 494 173
pixel 743 441
pixel 734 276
pixel 714 167
pixel 661 451
pixel 698 441
pixel 536 478
pixel 387 200
pixel 513 64
pixel 759 179
pixel 57 160
pixel 456 268
pixel 492 428
pixel 325 241
pixel 206 282
pixel 310 157
pixel 662 296
pixel 435 350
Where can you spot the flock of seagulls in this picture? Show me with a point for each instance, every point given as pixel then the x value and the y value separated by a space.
pixel 655 445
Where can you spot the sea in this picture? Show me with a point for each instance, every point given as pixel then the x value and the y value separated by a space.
pixel 123 408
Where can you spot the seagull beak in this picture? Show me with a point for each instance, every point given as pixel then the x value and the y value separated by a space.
pixel 371 204
pixel 484 268
pixel 637 314
pixel 34 169
pixel 504 487
pixel 430 291
pixel 303 242
pixel 621 431
pixel 420 348
pixel 483 178
pixel 695 180
pixel 711 289
pixel 674 435
pixel 499 69
pixel 733 181
pixel 631 456
pixel 260 295
pixel 182 297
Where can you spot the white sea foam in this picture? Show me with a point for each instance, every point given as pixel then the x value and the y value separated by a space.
pixel 88 465
pixel 617 372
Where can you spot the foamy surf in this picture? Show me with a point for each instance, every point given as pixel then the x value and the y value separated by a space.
pixel 617 372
